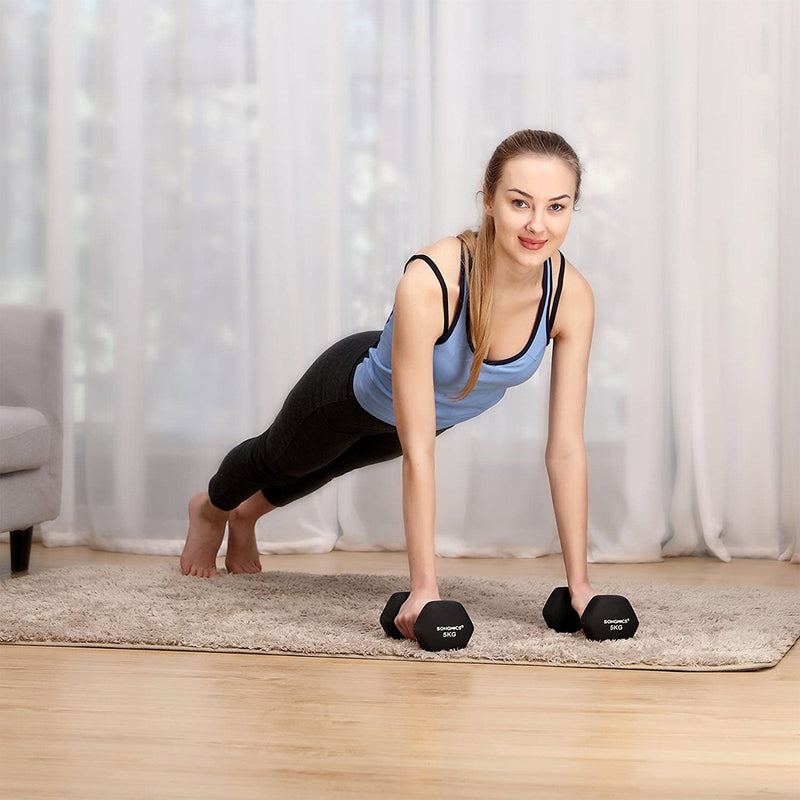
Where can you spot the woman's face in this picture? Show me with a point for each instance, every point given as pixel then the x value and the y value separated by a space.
pixel 533 202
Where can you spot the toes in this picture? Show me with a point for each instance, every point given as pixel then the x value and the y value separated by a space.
pixel 201 572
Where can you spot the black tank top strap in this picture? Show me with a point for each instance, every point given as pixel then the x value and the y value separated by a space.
pixel 554 305
pixel 442 283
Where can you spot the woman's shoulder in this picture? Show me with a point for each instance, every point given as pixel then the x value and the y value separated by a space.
pixel 577 299
pixel 446 254
pixel 572 274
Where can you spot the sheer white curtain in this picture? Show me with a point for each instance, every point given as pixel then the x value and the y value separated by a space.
pixel 214 192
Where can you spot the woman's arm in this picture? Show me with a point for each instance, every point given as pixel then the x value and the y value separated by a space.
pixel 417 326
pixel 565 455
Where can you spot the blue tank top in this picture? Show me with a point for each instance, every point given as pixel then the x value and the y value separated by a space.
pixel 452 358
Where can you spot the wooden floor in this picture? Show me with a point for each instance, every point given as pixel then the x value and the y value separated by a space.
pixel 99 723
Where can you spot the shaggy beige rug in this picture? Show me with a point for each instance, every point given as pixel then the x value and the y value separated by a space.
pixel 689 628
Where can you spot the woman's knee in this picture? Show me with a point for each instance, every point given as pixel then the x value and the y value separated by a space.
pixel 253 507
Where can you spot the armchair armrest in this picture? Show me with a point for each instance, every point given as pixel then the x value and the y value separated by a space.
pixel 31 360
pixel 31 376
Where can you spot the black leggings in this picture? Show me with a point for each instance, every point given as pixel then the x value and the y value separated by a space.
pixel 321 432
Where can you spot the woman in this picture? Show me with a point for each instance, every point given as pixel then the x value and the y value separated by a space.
pixel 459 334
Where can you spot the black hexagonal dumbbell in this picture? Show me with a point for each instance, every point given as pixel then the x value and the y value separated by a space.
pixel 606 616
pixel 441 625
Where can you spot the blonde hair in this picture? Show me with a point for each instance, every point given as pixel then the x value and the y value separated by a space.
pixel 480 243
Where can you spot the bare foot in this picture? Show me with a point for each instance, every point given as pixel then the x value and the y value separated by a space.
pixel 206 529
pixel 242 549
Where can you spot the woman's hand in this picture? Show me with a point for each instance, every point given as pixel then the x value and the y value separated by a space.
pixel 409 611
pixel 581 595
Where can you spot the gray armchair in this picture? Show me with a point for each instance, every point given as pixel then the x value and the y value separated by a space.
pixel 31 418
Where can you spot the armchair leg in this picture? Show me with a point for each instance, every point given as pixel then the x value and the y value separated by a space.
pixel 21 549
